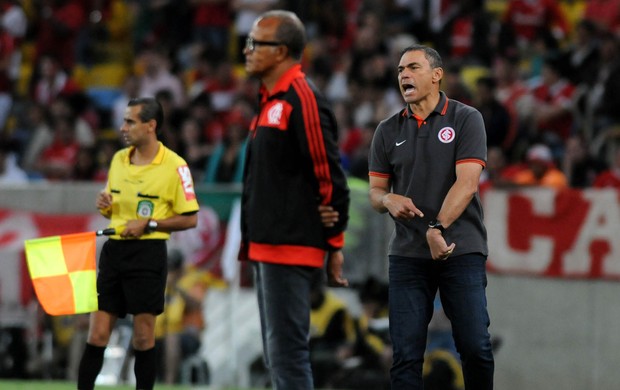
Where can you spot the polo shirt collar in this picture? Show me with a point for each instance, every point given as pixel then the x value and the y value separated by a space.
pixel 285 81
pixel 440 109
pixel 159 157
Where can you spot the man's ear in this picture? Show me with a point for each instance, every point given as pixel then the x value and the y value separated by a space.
pixel 153 126
pixel 437 75
pixel 282 52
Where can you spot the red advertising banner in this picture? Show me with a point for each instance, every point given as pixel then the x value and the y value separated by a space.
pixel 541 232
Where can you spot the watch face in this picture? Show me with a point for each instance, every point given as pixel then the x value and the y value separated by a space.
pixel 435 224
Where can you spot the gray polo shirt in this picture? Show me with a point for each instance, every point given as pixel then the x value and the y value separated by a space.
pixel 419 156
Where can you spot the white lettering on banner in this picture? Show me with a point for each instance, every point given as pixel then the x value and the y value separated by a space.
pixel 601 224
pixel 504 258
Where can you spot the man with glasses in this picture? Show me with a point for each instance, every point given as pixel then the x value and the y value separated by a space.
pixel 295 196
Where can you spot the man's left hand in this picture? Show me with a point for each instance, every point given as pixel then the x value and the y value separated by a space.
pixel 335 261
pixel 329 216
pixel 440 250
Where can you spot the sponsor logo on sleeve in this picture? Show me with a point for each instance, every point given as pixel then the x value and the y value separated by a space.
pixel 187 182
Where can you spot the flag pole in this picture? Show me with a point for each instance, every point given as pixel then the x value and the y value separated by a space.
pixel 106 232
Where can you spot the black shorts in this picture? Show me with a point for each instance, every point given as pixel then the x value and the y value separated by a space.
pixel 132 276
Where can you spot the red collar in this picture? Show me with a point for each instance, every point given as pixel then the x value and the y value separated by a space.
pixel 284 83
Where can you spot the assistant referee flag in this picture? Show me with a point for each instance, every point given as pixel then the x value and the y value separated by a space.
pixel 63 272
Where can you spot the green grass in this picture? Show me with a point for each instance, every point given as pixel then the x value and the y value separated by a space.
pixel 62 385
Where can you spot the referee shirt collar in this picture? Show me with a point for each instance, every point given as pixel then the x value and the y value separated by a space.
pixel 159 157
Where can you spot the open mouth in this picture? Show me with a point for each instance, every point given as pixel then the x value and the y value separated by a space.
pixel 407 88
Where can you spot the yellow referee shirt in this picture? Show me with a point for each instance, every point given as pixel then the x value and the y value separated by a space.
pixel 158 190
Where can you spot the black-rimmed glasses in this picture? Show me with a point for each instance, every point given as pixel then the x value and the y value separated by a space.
pixel 251 43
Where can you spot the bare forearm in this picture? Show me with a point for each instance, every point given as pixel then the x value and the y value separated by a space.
pixel 177 223
pixel 376 196
pixel 455 203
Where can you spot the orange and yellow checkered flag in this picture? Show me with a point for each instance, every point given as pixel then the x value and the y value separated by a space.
pixel 63 272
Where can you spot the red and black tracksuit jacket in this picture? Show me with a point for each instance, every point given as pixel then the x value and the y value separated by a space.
pixel 292 166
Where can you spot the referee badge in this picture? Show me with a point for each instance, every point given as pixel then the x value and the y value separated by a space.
pixel 145 208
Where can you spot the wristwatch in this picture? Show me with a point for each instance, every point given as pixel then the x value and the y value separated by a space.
pixel 151 226
pixel 435 224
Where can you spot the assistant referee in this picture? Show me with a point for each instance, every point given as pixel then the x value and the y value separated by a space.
pixel 149 193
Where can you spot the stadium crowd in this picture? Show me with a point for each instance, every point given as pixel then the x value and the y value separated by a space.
pixel 543 73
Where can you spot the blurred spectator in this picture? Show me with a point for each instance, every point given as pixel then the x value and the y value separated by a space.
pixel 202 74
pixel 498 173
pixel 58 159
pixel 609 178
pixel 193 147
pixel 201 110
pixel 605 13
pixel 603 98
pixel 105 150
pixel 543 46
pixel 211 24
pixel 496 117
pixel 226 163
pixel 552 109
pixel 52 80
pixel 349 136
pixel 7 49
pixel 582 53
pixel 358 160
pixel 541 170
pixel 34 134
pixel 366 362
pixel 13 24
pixel 224 85
pixel 246 12
pixel 524 19
pixel 58 27
pixel 69 335
pixel 442 371
pixel 105 34
pixel 158 76
pixel 178 330
pixel 10 172
pixel 171 136
pixel 467 35
pixel 130 90
pixel 85 168
pixel 75 107
pixel 454 85
pixel 574 11
pixel 442 367
pixel 161 23
pixel 579 166
pixel 336 23
pixel 512 93
pixel 331 329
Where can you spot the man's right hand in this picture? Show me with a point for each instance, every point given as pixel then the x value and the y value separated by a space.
pixel 400 207
pixel 104 200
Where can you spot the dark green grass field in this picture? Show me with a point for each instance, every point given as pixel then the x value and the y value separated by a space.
pixel 60 385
